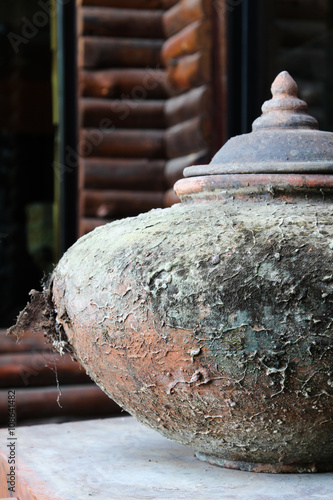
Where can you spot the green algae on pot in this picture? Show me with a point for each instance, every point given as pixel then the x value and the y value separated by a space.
pixel 211 321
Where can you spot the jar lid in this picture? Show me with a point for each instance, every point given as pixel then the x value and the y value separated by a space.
pixel 284 139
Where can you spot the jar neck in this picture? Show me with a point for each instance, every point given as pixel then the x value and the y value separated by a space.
pixel 256 187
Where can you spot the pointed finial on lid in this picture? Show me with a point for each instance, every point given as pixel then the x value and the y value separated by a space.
pixel 285 139
pixel 284 84
pixel 285 109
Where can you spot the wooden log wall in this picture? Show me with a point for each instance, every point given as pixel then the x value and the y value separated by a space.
pixel 122 90
pixel 74 401
pixel 144 114
pixel 144 102
pixel 42 379
pixel 187 56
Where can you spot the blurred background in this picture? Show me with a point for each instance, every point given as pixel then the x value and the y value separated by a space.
pixel 103 104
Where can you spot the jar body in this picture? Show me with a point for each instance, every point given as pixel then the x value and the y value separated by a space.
pixel 213 324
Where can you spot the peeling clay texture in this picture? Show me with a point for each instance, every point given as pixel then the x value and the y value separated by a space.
pixel 212 323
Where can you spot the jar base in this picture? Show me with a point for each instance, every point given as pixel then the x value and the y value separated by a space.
pixel 277 468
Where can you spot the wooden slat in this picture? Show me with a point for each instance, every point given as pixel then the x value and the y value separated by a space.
pixel 99 21
pixel 75 400
pixel 111 203
pixel 130 4
pixel 189 71
pixel 122 143
pixel 187 137
pixel 170 198
pixel 28 342
pixel 39 369
pixel 120 173
pixel 185 12
pixel 302 9
pixel 188 105
pixel 174 168
pixel 124 83
pixel 124 113
pixel 104 52
pixel 193 38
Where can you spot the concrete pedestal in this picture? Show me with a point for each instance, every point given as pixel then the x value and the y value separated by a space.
pixel 118 459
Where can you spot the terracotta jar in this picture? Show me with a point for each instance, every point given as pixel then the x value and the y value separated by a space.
pixel 212 321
